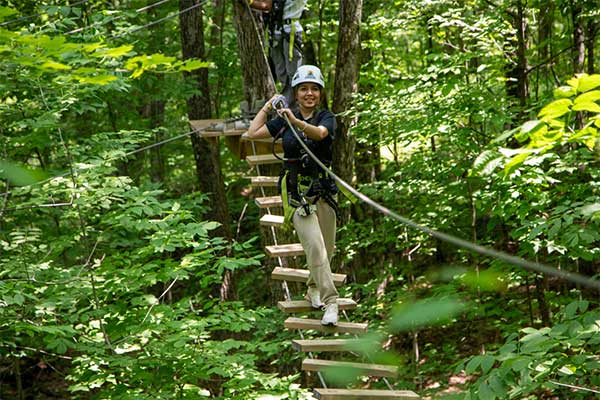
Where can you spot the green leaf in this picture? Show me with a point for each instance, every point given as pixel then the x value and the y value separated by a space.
pixel 55 66
pixel 5 12
pixel 485 392
pixel 564 91
pixel 587 97
pixel 20 176
pixel 588 106
pixel 487 362
pixel 97 80
pixel 424 312
pixel 555 109
pixel 588 82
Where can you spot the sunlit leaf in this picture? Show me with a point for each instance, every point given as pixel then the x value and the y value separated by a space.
pixel 19 175
pixel 425 312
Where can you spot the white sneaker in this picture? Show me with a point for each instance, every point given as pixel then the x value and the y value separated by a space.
pixel 330 317
pixel 314 297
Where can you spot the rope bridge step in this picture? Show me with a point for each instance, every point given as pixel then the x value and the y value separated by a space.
pixel 314 364
pixel 272 220
pixel 362 394
pixel 301 275
pixel 269 181
pixel 269 201
pixel 263 159
pixel 285 250
pixel 300 306
pixel 315 325
pixel 321 345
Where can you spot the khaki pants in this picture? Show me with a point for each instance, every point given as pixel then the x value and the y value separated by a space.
pixel 317 236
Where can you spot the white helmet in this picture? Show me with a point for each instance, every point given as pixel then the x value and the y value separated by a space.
pixel 308 73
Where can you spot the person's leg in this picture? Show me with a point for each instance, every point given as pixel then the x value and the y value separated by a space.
pixel 327 223
pixel 311 238
pixel 277 54
pixel 291 64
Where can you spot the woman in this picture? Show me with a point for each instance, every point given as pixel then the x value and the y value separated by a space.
pixel 308 189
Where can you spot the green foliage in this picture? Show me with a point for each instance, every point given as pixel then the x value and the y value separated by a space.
pixel 529 362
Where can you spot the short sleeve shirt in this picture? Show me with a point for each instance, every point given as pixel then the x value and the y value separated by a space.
pixel 323 149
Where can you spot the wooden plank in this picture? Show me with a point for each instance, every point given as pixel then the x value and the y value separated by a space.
pixel 227 132
pixel 301 275
pixel 314 364
pixel 364 394
pixel 320 345
pixel 298 306
pixel 264 180
pixel 262 159
pixel 315 324
pixel 272 220
pixel 269 201
pixel 285 250
pixel 267 140
pixel 200 124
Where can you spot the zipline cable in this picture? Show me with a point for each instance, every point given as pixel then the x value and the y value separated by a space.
pixel 514 260
pixel 39 14
pixel 127 154
pixel 100 23
pixel 160 20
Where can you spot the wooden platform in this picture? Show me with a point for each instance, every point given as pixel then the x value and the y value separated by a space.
pixel 315 324
pixel 387 371
pixel 364 394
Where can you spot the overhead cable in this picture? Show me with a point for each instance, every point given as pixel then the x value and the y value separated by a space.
pixel 100 23
pixel 511 259
pixel 39 14
pixel 159 20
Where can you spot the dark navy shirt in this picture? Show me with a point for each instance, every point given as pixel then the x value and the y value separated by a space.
pixel 323 149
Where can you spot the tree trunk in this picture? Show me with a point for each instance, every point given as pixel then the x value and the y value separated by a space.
pixel 156 106
pixel 258 82
pixel 216 51
pixel 346 84
pixel 206 152
pixel 518 82
pixel 578 38
pixel 590 42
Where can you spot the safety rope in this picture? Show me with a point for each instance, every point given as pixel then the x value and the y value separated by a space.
pixel 511 259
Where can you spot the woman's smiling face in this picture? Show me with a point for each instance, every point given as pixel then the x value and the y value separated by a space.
pixel 308 95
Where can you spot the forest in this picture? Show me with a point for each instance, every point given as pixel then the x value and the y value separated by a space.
pixel 132 259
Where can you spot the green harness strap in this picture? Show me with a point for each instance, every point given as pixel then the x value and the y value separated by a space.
pixel 292 37
pixel 288 211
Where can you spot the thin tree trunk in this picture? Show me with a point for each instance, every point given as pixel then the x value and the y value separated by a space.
pixel 216 50
pixel 517 85
pixel 346 84
pixel 156 106
pixel 256 74
pixel 206 152
pixel 590 42
pixel 578 38
pixel 578 49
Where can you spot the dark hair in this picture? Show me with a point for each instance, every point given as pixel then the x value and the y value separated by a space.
pixel 322 96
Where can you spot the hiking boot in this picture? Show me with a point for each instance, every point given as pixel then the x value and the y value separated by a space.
pixel 314 297
pixel 330 317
